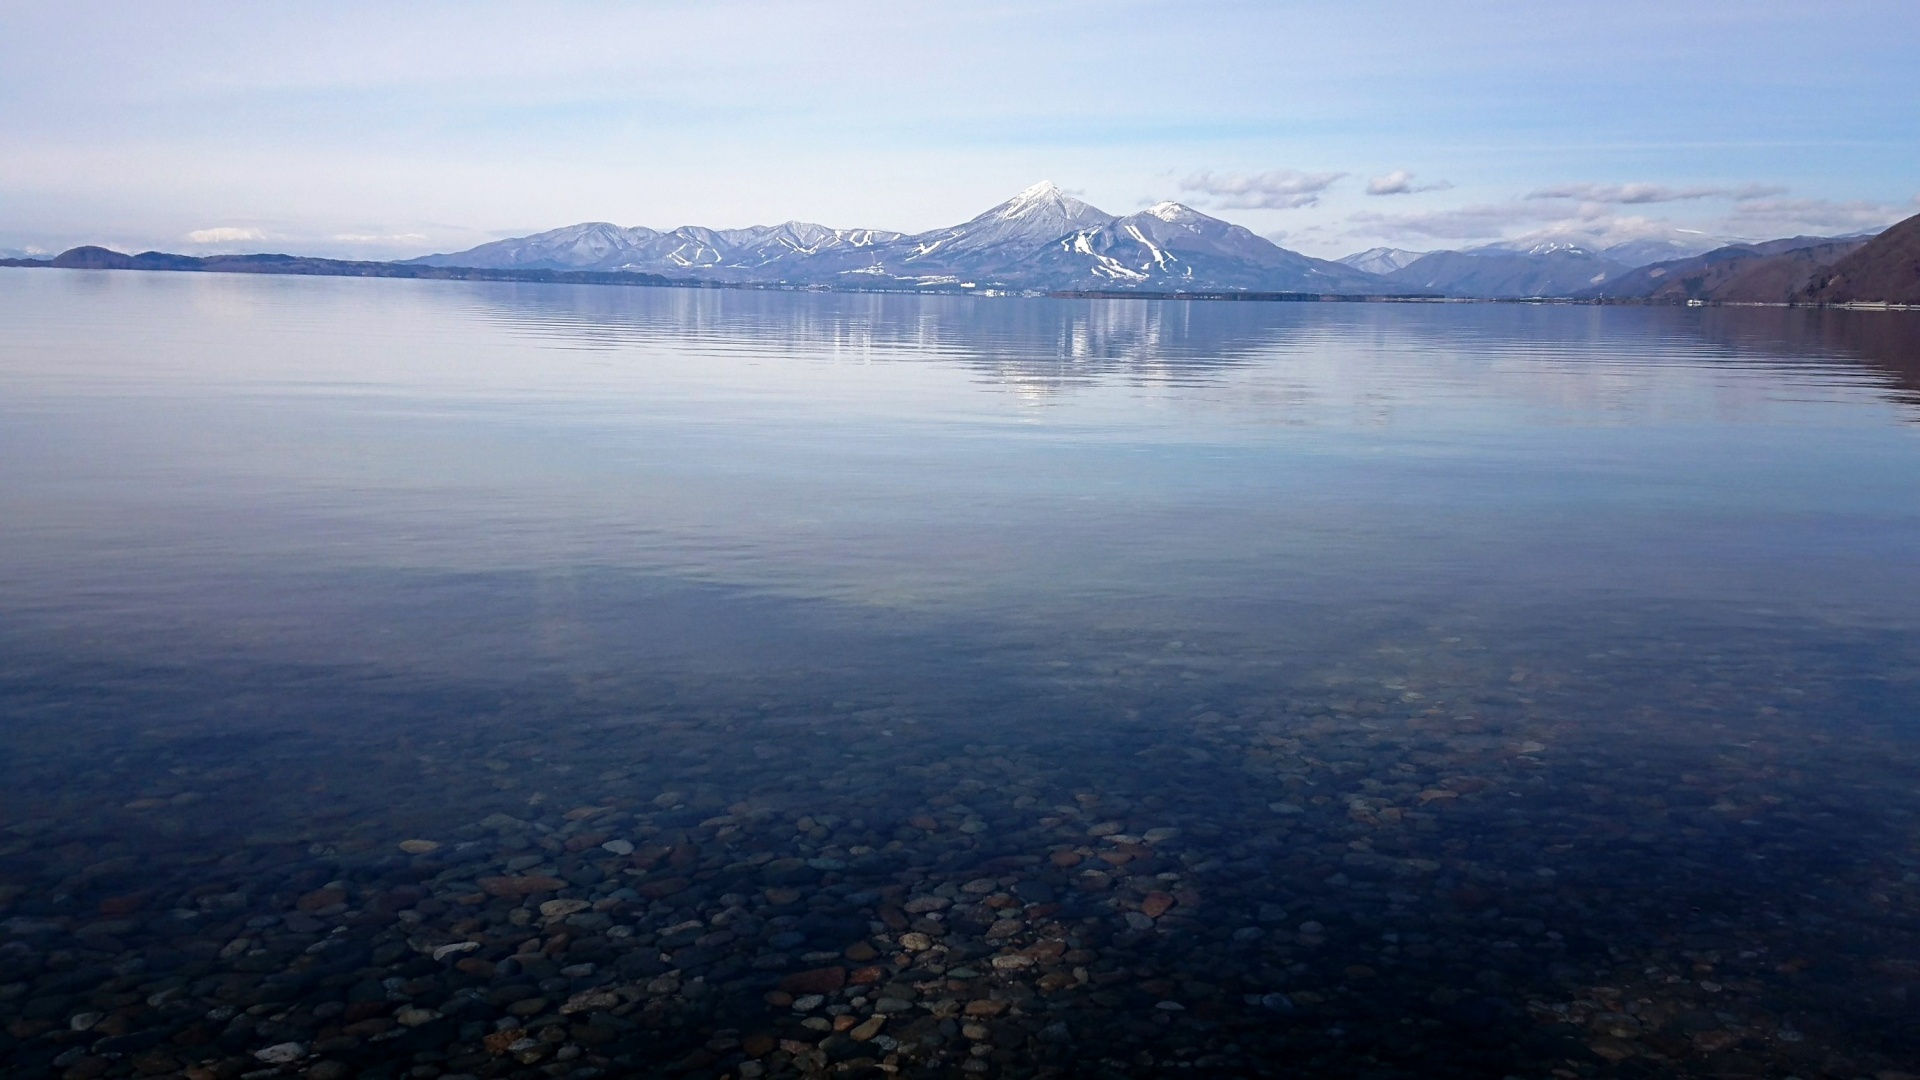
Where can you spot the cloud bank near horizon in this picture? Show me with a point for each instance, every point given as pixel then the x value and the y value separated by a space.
pixel 369 130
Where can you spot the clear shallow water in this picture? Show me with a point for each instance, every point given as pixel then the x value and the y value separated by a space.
pixel 1554 662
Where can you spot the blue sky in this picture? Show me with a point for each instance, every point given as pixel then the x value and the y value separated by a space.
pixel 383 129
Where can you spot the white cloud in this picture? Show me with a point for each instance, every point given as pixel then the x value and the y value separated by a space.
pixel 224 235
pixel 381 238
pixel 1636 194
pixel 1280 189
pixel 1608 230
pixel 1400 182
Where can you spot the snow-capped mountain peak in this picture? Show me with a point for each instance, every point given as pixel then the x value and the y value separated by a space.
pixel 1532 246
pixel 1006 233
pixel 1035 199
pixel 1173 212
pixel 1044 204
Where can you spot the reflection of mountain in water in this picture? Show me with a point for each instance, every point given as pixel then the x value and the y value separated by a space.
pixel 1038 343
pixel 1574 357
pixel 1885 343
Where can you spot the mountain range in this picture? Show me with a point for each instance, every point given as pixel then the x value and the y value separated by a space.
pixel 1041 239
pixel 1523 269
pixel 1045 240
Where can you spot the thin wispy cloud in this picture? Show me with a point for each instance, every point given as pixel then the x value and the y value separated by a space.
pixel 1479 222
pixel 1279 189
pixel 1768 216
pixel 1642 194
pixel 1608 230
pixel 1590 214
pixel 1401 182
pixel 1520 221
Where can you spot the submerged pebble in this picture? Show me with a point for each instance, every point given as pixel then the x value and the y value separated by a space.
pixel 1458 887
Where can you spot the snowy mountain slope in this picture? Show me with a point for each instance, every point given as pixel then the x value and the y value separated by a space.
pixel 1171 246
pixel 1663 244
pixel 1000 238
pixel 1042 238
pixel 1380 260
pixel 690 250
pixel 797 241
pixel 592 245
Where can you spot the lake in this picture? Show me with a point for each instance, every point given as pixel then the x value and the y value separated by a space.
pixel 441 679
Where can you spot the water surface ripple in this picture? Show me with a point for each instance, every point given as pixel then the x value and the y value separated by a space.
pixel 448 679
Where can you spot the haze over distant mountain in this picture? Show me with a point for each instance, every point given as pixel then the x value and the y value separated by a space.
pixel 718 254
pixel 1522 268
pixel 1677 245
pixel 1498 272
pixel 1041 239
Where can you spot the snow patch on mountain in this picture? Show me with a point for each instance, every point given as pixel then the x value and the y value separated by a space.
pixel 1380 260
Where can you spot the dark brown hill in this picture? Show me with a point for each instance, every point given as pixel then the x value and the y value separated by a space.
pixel 1885 270
pixel 1740 273
pixel 1773 279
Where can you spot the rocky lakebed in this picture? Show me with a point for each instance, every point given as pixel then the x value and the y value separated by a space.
pixel 1456 870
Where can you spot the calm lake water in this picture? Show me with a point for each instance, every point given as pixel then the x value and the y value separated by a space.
pixel 773 684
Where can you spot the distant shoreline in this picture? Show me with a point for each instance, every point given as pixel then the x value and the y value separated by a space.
pixel 95 258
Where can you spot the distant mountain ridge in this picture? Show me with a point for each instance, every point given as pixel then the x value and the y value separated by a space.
pixel 1520 269
pixel 1771 271
pixel 91 257
pixel 1496 272
pixel 599 245
pixel 1041 239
